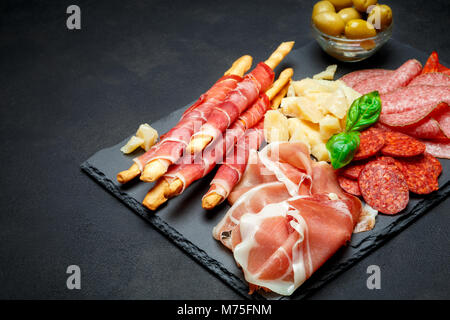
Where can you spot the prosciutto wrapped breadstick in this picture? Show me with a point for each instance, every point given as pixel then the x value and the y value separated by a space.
pixel 239 99
pixel 192 168
pixel 168 150
pixel 230 172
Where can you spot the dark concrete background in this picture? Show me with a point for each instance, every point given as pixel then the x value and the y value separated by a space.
pixel 66 94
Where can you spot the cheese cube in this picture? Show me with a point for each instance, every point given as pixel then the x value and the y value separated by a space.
pixel 148 135
pixel 275 126
pixel 132 144
pixel 329 125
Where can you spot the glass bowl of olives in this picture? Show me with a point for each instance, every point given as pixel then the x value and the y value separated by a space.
pixel 351 30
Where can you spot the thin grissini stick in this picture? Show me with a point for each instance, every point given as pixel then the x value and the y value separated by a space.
pixel 230 172
pixel 172 144
pixel 175 142
pixel 247 91
pixel 182 175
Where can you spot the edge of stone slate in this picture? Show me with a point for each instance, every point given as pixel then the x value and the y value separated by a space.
pixel 198 254
pixel 368 245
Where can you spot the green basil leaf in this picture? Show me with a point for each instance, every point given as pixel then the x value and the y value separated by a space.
pixel 342 148
pixel 363 112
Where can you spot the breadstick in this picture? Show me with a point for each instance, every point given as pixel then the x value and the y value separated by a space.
pixel 156 168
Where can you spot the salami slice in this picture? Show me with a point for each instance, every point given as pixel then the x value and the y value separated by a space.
pixel 431 79
pixel 438 149
pixel 398 144
pixel 349 185
pixel 384 187
pixel 353 78
pixel 421 173
pixel 443 118
pixel 409 105
pixel 371 141
pixel 386 83
pixel 352 170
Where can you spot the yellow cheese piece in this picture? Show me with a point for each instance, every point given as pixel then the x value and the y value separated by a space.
pixel 327 74
pixel 275 126
pixel 291 91
pixel 132 144
pixel 350 93
pixel 337 104
pixel 301 107
pixel 329 125
pixel 296 133
pixel 308 85
pixel 320 152
pixel 148 134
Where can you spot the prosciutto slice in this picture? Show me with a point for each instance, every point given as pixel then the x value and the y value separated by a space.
pixel 173 143
pixel 192 168
pixel 286 242
pixel 230 172
pixel 288 217
pixel 239 99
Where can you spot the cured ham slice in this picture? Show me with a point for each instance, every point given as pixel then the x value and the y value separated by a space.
pixel 189 172
pixel 281 246
pixel 230 172
pixel 238 100
pixel 173 143
pixel 258 81
pixel 288 217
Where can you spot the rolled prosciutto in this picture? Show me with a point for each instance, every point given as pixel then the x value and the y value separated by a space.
pixel 173 143
pixel 288 217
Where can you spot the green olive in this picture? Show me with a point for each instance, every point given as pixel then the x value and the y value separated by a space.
pixel 349 14
pixel 340 4
pixel 380 16
pixel 362 5
pixel 322 6
pixel 359 29
pixel 330 23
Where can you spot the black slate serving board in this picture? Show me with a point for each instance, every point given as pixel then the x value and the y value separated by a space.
pixel 184 221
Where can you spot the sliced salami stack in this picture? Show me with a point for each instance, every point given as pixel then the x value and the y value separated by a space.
pixel 415 101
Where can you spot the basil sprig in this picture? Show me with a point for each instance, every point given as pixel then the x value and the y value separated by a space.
pixel 363 112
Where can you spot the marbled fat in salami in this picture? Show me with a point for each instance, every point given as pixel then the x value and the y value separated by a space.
pixel 353 78
pixel 409 105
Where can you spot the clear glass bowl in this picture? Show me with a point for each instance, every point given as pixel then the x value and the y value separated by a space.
pixel 351 50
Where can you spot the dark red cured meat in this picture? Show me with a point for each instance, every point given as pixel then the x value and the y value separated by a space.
pixel 398 144
pixel 421 173
pixel 371 142
pixel 352 170
pixel 353 78
pixel 384 187
pixel 431 79
pixel 409 105
pixel 349 185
